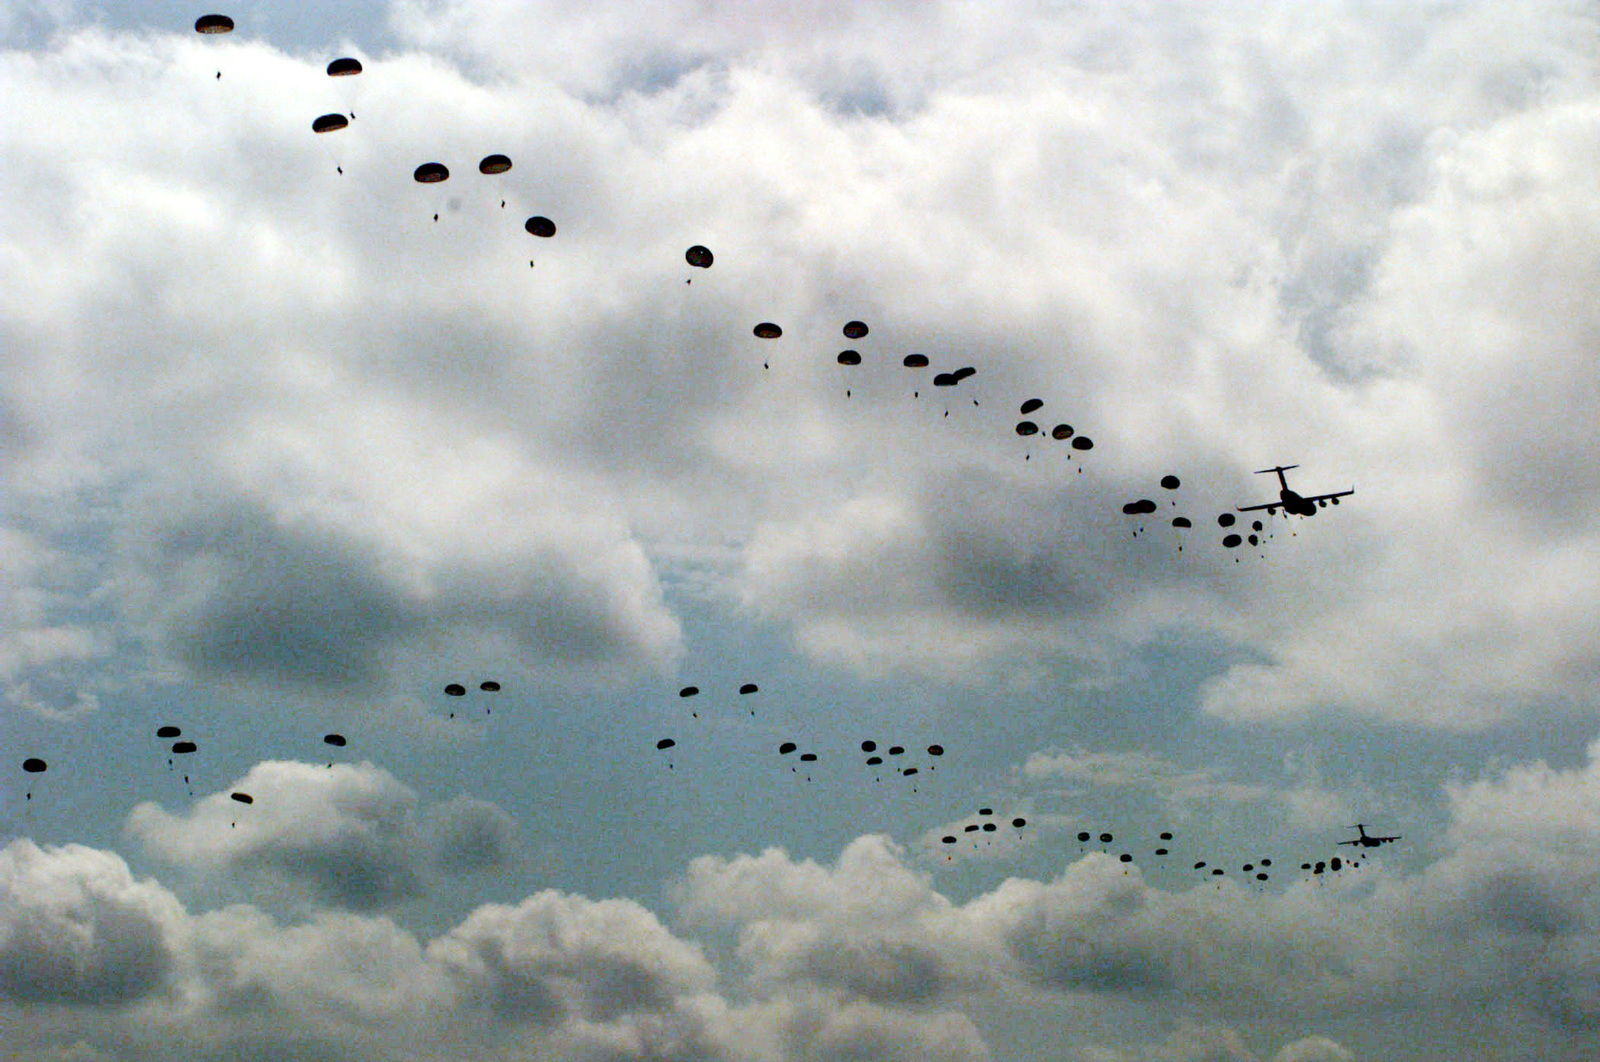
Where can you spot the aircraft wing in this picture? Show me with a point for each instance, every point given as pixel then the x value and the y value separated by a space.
pixel 1335 494
pixel 1263 505
pixel 1349 842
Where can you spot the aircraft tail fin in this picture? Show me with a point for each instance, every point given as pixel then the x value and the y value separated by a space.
pixel 1279 469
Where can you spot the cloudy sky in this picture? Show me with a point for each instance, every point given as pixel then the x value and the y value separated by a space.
pixel 285 456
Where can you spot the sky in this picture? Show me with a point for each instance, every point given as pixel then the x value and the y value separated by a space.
pixel 291 442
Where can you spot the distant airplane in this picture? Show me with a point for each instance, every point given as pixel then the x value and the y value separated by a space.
pixel 1367 842
pixel 1289 501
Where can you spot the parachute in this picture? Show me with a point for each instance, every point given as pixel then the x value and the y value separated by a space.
pixel 541 227
pixel 1030 405
pixel 1027 427
pixel 915 361
pixel 1135 508
pixel 183 748
pixel 1169 482
pixel 1061 431
pixel 431 173
pixel 213 24
pixel 767 330
pixel 1230 541
pixel 1225 520
pixel 336 740
pixel 455 689
pixel 1082 442
pixel 869 746
pixel 786 748
pixel 808 757
pixel 329 123
pixel 168 731
pixel 1019 823
pixel 935 750
pixel 34 765
pixel 1181 521
pixel 855 329
pixel 494 164
pixel 665 743
pixel 688 691
pixel 346 67
pixel 849 357
pixel 698 256
pixel 489 686
pixel 748 687
pixel 243 798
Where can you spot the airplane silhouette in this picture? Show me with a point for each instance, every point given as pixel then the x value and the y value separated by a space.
pixel 1289 501
pixel 1368 842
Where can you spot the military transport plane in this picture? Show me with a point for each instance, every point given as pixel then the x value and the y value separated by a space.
pixel 1289 501
pixel 1368 842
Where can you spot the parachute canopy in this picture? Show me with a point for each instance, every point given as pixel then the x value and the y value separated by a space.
pixel 337 740
pixel 540 226
pixel 345 67
pixel 1231 541
pixel 1225 520
pixel 183 748
pixel 855 329
pixel 329 123
pixel 489 686
pixel 1019 823
pixel 1030 405
pixel 915 361
pixel 665 743
pixel 849 357
pixel 1181 521
pixel 944 379
pixel 767 330
pixel 935 750
pixel 786 748
pixel 869 746
pixel 698 256
pixel 749 687
pixel 808 757
pixel 33 765
pixel 1027 427
pixel 494 164
pixel 1170 482
pixel 243 798
pixel 455 689
pixel 1143 505
pixel 431 173
pixel 688 691
pixel 213 24
pixel 1061 431
pixel 168 731
pixel 1082 442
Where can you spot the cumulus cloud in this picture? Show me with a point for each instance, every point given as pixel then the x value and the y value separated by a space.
pixel 350 835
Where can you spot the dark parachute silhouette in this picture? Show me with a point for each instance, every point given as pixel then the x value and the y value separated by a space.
pixel 346 67
pixel 1181 521
pixel 786 748
pixel 855 329
pixel 1083 836
pixel 948 839
pixel 908 771
pixel 491 164
pixel 1106 838
pixel 849 357
pixel 1082 442
pixel 1161 851
pixel 1027 427
pixel 489 686
pixel 1335 863
pixel 935 750
pixel 1136 508
pixel 1030 405
pixel 873 761
pixel 1231 541
pixel 915 361
pixel 431 173
pixel 1165 836
pixel 1061 431
pixel 168 731
pixel 808 757
pixel 698 256
pixel 989 827
pixel 767 330
pixel 336 740
pixel 329 123
pixel 944 379
pixel 1170 482
pixel 183 748
pixel 748 687
pixel 1200 865
pixel 1216 872
pixel 34 765
pixel 1225 520
pixel 455 689
pixel 869 746
pixel 964 372
pixel 1019 823
pixel 898 750
pixel 1124 858
pixel 986 811
pixel 540 226
pixel 972 828
pixel 665 743
pixel 213 24
pixel 688 691
pixel 243 798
